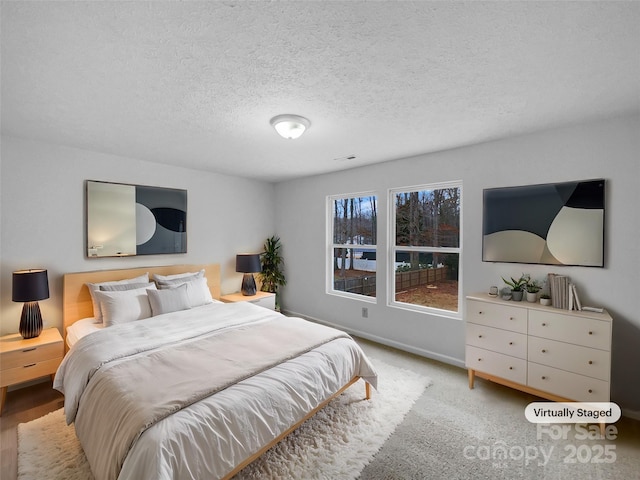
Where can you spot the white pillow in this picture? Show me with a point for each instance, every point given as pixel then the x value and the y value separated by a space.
pixel 197 291
pixel 178 278
pixel 169 300
pixel 124 307
pixel 93 287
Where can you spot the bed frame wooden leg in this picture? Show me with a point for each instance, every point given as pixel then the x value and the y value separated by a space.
pixel 367 390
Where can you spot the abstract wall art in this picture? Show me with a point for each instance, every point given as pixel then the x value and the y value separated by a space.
pixel 125 220
pixel 551 224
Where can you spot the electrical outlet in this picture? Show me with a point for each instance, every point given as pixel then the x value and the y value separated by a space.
pixel 365 312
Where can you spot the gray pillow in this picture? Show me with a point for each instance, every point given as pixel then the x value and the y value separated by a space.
pixel 169 300
pixel 95 287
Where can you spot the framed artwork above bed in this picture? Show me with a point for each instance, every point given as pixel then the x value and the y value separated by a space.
pixel 125 220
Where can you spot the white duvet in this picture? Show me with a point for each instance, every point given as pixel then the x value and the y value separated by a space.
pixel 209 438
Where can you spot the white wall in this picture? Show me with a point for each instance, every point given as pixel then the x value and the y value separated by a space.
pixel 42 217
pixel 607 149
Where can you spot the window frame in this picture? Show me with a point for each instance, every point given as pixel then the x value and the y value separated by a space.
pixel 331 246
pixel 393 249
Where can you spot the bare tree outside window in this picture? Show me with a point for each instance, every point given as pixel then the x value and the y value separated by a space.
pixel 353 236
pixel 426 252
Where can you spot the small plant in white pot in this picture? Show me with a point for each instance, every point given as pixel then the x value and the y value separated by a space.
pixel 545 299
pixel 533 287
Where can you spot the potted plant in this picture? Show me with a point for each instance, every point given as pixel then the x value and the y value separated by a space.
pixel 272 275
pixel 517 286
pixel 532 287
pixel 545 299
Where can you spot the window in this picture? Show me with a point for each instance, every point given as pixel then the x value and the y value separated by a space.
pixel 352 259
pixel 425 247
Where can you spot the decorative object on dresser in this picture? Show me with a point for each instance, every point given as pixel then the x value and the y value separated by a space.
pixel 554 354
pixel 27 359
pixel 248 263
pixel 30 286
pixel 517 286
pixel 262 299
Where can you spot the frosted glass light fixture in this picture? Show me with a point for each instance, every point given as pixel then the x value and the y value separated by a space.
pixel 290 126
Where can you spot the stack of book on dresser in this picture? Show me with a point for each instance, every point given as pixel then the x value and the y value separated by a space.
pixel 563 293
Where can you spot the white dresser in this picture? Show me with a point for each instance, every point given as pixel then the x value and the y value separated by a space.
pixel 555 354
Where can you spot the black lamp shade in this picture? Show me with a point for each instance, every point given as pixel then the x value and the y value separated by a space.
pixel 29 286
pixel 248 263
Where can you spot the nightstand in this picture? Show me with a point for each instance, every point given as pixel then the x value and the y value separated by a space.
pixel 263 299
pixel 22 359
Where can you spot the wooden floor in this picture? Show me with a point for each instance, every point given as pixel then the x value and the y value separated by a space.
pixel 23 405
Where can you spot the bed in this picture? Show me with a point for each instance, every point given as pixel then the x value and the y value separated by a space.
pixel 197 392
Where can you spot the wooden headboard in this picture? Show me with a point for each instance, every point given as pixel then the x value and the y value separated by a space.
pixel 76 301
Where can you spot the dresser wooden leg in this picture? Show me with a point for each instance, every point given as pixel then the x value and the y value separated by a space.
pixel 472 376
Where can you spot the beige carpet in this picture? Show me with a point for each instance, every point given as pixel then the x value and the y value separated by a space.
pixel 338 442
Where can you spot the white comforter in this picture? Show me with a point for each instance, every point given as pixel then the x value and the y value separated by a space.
pixel 210 437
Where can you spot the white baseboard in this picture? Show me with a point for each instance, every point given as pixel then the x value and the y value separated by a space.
pixel 385 341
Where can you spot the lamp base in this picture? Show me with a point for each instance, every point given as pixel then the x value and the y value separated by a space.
pixel 30 320
pixel 248 284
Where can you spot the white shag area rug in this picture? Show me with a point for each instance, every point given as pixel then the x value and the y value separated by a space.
pixel 337 442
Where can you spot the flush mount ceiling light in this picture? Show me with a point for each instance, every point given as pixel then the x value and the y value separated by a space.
pixel 290 126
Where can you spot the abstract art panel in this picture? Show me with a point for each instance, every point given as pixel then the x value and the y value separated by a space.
pixel 552 224
pixel 125 220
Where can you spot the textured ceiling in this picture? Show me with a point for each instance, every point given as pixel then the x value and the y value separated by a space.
pixel 195 83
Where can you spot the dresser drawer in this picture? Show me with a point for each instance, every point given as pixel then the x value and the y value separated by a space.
pixel 571 329
pixel 573 358
pixel 566 384
pixel 505 317
pixel 28 372
pixel 29 355
pixel 497 364
pixel 497 340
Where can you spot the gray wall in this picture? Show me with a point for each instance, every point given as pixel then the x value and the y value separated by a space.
pixel 42 222
pixel 607 149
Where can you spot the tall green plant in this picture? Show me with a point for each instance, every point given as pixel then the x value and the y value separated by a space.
pixel 272 276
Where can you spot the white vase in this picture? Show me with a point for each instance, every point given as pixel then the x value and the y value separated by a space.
pixel 545 301
pixel 532 297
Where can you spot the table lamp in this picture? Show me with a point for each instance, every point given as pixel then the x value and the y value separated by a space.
pixel 29 286
pixel 248 263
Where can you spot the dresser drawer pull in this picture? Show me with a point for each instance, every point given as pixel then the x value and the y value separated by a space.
pixel 510 343
pixel 544 324
pixel 544 351
pixel 480 312
pixel 479 336
pixel 510 368
pixel 544 378
pixel 590 333
pixel 30 365
pixel 29 350
pixel 479 359
pixel 590 391
pixel 511 318
pixel 590 362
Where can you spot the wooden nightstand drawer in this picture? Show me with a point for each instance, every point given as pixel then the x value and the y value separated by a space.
pixel 30 355
pixel 29 371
